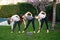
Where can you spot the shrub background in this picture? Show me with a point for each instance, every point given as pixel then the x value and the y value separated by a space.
pixel 8 10
pixel 49 11
pixel 22 8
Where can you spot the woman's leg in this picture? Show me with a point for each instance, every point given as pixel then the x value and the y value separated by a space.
pixel 42 21
pixel 46 21
pixel 33 24
pixel 18 25
pixel 14 25
pixel 27 25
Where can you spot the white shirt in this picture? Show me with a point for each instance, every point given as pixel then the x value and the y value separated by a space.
pixel 15 18
pixel 28 17
pixel 41 16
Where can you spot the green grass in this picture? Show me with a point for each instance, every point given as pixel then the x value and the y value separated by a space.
pixel 52 35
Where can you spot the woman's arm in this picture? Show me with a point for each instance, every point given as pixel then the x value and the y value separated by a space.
pixel 24 23
pixel 36 17
pixel 42 12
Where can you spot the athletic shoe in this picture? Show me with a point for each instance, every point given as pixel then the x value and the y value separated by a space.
pixel 47 31
pixel 23 31
pixel 38 31
pixel 34 32
pixel 11 31
pixel 19 32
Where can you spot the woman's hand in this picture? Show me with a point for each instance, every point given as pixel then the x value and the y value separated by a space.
pixel 36 17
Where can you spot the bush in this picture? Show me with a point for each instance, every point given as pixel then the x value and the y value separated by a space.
pixel 8 10
pixel 58 12
pixel 49 11
pixel 24 7
pixel 20 8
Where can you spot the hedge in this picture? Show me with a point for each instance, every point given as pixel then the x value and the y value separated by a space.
pixel 24 7
pixel 49 11
pixel 58 12
pixel 20 8
pixel 8 10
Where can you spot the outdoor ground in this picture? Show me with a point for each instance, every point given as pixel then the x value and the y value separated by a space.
pixel 5 33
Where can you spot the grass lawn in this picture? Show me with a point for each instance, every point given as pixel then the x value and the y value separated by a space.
pixel 5 33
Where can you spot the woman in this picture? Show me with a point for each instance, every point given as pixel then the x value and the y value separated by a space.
pixel 43 18
pixel 28 16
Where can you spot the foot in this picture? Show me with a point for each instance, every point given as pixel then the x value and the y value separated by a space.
pixel 23 31
pixel 11 31
pixel 34 32
pixel 47 31
pixel 19 32
pixel 38 31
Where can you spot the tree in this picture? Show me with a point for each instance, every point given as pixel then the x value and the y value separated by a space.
pixel 54 14
pixel 35 3
pixel 39 4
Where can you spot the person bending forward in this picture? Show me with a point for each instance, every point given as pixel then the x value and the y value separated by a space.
pixel 29 19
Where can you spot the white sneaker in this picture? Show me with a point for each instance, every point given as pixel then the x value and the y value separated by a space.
pixel 19 32
pixel 47 31
pixel 38 31
pixel 34 32
pixel 23 31
pixel 11 31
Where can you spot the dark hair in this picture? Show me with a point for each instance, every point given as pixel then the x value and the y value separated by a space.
pixel 29 14
pixel 8 21
pixel 43 13
pixel 21 17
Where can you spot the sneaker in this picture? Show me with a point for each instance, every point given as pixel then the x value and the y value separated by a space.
pixel 34 32
pixel 38 31
pixel 19 32
pixel 11 31
pixel 23 31
pixel 47 31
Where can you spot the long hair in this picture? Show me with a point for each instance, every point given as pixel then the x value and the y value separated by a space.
pixel 8 21
pixel 21 18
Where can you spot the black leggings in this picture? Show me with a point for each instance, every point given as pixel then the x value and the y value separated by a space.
pixel 46 22
pixel 16 23
pixel 28 22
